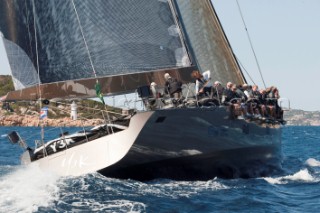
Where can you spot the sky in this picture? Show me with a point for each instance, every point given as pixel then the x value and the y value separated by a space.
pixel 4 64
pixel 285 37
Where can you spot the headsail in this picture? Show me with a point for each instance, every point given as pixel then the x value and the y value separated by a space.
pixel 207 41
pixel 24 73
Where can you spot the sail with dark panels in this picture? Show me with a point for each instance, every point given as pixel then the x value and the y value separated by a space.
pixel 122 37
pixel 124 44
pixel 207 41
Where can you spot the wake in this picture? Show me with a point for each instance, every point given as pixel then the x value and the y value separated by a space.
pixel 313 162
pixel 26 189
pixel 301 176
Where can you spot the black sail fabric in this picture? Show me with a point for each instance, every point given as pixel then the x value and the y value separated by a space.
pixel 123 43
pixel 207 41
pixel 122 37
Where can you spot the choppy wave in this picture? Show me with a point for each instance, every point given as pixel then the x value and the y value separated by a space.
pixel 295 189
pixel 313 162
pixel 24 189
pixel 178 189
pixel 301 176
pixel 84 193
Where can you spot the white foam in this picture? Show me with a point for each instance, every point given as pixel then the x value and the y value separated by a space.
pixel 177 189
pixel 301 176
pixel 168 188
pixel 127 205
pixel 111 206
pixel 313 162
pixel 26 189
pixel 273 180
pixel 79 194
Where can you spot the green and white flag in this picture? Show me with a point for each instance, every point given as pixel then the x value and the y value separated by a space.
pixel 98 92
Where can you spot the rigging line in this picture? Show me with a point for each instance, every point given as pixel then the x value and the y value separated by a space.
pixel 84 39
pixel 89 55
pixel 244 69
pixel 254 53
pixel 39 81
pixel 37 54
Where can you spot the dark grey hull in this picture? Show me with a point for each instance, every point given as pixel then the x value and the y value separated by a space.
pixel 200 144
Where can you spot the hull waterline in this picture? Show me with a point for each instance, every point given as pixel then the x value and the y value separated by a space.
pixel 191 145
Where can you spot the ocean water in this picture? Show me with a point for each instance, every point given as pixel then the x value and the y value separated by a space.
pixel 295 189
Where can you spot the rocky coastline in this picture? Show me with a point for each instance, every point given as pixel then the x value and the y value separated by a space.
pixel 28 115
pixel 296 117
pixel 293 118
pixel 30 120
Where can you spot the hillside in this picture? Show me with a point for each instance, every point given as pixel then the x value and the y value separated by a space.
pixel 27 113
pixel 6 84
pixel 302 118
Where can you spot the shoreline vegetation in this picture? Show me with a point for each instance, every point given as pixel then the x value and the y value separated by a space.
pixel 33 121
pixel 90 112
pixel 18 115
pixel 27 113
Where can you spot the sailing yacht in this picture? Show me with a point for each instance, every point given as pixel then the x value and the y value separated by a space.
pixel 82 48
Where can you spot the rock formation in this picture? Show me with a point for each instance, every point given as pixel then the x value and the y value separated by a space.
pixel 31 120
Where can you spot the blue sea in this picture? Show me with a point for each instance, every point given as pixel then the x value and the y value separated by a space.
pixel 295 189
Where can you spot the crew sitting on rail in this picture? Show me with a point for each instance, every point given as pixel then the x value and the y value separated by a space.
pixel 217 91
pixel 244 100
pixel 234 99
pixel 251 102
pixel 256 103
pixel 272 96
pixel 247 90
pixel 262 102
pixel 226 93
